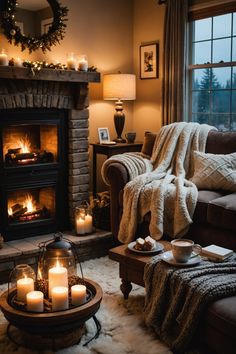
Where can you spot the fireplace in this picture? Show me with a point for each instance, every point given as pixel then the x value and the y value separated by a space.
pixel 33 160
pixel 44 169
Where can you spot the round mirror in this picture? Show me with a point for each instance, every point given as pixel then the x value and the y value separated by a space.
pixel 34 24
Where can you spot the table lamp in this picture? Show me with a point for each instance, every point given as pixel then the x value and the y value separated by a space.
pixel 119 87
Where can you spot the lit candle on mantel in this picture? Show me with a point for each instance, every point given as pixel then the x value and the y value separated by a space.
pixel 34 301
pixel 57 276
pixel 80 225
pixel 88 224
pixel 18 62
pixel 24 286
pixel 60 298
pixel 78 294
pixel 71 62
pixel 83 63
pixel 3 58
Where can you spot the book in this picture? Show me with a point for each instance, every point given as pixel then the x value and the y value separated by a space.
pixel 216 252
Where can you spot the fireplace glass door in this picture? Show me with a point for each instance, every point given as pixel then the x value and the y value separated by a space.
pixel 33 165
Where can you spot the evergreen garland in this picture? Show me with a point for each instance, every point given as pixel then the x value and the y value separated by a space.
pixel 55 33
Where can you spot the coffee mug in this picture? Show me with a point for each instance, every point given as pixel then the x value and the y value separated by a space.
pixel 182 249
pixel 130 137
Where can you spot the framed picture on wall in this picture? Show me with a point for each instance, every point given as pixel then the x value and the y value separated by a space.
pixel 149 63
pixel 104 136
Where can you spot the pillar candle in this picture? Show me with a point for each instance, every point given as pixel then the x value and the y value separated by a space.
pixel 18 62
pixel 24 286
pixel 34 301
pixel 88 224
pixel 71 62
pixel 60 298
pixel 3 58
pixel 57 276
pixel 78 294
pixel 83 64
pixel 80 226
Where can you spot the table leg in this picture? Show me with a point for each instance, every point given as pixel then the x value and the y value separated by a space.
pixel 126 288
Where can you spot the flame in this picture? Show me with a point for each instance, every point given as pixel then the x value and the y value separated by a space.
pixel 39 274
pixel 24 144
pixel 10 211
pixel 29 203
pixel 58 264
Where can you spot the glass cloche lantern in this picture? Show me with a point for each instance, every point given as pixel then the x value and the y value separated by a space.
pixel 83 219
pixel 22 278
pixel 58 258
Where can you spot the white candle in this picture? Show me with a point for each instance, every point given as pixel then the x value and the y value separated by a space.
pixel 57 276
pixel 3 58
pixel 83 64
pixel 80 226
pixel 88 224
pixel 24 286
pixel 60 298
pixel 71 64
pixel 34 301
pixel 18 62
pixel 78 294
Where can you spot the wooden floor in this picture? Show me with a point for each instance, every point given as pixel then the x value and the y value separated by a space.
pixel 26 250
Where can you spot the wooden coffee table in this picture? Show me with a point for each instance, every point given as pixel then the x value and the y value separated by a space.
pixel 131 265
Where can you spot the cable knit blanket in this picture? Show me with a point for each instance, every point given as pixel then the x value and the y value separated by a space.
pixel 176 297
pixel 165 191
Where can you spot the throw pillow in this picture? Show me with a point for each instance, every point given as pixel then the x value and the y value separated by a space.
pixel 148 143
pixel 214 171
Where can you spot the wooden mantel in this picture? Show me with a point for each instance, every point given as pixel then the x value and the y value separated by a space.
pixel 11 72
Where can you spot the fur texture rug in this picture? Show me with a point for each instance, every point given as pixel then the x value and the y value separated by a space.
pixel 123 330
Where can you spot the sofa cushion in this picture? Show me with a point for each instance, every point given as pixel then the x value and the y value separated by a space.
pixel 221 142
pixel 221 212
pixel 214 171
pixel 204 197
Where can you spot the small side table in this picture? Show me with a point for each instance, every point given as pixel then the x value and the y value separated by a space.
pixel 110 150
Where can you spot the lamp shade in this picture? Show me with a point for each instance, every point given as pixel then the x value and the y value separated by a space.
pixel 119 86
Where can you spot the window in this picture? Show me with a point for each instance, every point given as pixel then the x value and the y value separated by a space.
pixel 213 71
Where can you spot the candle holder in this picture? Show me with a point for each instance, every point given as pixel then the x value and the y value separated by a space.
pixel 82 62
pixel 71 61
pixel 83 219
pixel 18 280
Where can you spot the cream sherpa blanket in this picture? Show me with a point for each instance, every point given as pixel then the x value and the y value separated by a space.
pixel 165 191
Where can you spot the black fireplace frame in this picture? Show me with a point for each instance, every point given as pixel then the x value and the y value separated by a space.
pixel 37 175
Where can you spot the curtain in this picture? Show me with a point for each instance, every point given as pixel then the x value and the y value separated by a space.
pixel 175 57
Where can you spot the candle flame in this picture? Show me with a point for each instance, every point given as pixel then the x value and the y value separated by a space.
pixel 39 274
pixel 58 265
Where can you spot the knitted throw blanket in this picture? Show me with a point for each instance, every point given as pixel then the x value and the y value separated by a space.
pixel 177 297
pixel 165 191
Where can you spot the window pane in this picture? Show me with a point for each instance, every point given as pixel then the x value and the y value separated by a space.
pixel 220 121
pixel 234 78
pixel 202 29
pixel 233 125
pixel 234 102
pixel 221 50
pixel 200 118
pixel 221 101
pixel 234 50
pixel 202 52
pixel 234 25
pixel 221 78
pixel 222 26
pixel 201 79
pixel 200 101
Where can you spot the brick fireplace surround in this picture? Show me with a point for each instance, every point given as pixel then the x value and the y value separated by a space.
pixel 53 89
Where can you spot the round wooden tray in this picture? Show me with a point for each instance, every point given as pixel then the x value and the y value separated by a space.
pixel 52 322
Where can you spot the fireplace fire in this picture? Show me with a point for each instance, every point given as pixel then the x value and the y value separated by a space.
pixel 33 181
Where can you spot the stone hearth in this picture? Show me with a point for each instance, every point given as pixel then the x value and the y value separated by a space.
pixel 56 89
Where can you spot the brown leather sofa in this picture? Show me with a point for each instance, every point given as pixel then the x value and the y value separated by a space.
pixel 214 222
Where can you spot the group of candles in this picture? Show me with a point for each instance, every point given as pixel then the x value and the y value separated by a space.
pixel 58 291
pixel 73 63
pixel 77 63
pixel 83 221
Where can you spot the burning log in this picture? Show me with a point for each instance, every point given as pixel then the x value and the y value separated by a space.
pixel 17 211
pixel 14 156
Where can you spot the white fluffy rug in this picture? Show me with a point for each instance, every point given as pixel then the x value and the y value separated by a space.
pixel 123 331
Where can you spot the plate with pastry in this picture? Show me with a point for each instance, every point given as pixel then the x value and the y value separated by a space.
pixel 145 245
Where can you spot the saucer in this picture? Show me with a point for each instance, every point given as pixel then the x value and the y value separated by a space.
pixel 168 258
pixel 158 248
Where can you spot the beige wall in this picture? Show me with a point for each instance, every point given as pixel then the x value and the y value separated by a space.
pixel 110 33
pixel 148 27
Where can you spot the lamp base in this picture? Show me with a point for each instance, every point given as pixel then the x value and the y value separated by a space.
pixel 119 140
